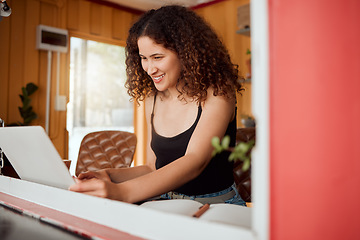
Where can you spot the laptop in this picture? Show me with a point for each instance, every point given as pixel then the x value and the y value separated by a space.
pixel 34 157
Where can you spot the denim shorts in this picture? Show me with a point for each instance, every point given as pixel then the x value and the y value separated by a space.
pixel 235 199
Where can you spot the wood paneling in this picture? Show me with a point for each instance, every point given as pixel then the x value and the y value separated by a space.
pixel 222 17
pixel 16 59
pixel 31 54
pixel 106 22
pixel 122 21
pixel 72 15
pixel 96 17
pixel 4 67
pixel 84 16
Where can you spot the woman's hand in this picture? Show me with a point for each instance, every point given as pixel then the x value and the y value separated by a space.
pixel 96 187
pixel 97 183
pixel 101 174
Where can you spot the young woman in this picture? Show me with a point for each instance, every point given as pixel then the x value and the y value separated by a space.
pixel 178 66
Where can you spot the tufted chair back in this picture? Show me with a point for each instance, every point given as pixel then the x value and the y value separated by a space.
pixel 106 149
pixel 243 179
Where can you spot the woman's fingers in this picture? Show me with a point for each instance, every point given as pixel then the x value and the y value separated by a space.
pixel 94 187
pixel 85 185
pixel 98 174
pixel 86 175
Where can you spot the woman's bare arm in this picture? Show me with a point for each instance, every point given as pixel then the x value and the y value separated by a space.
pixel 217 113
pixel 118 175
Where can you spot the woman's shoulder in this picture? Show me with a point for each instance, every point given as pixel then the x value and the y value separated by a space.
pixel 212 98
pixel 219 105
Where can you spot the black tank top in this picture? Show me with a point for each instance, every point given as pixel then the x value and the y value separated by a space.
pixel 218 174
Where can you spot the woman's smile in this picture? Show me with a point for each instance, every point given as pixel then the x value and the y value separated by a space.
pixel 158 79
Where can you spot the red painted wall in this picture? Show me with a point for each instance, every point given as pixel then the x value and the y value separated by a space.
pixel 314 119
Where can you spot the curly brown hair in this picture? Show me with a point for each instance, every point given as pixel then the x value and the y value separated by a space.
pixel 205 60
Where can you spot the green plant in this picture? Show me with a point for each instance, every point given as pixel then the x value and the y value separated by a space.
pixel 26 111
pixel 242 151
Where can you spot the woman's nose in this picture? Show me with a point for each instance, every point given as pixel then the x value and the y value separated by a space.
pixel 151 68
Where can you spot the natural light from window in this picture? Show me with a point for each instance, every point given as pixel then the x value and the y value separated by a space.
pixel 98 98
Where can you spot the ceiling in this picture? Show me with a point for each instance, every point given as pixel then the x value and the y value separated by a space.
pixel 145 5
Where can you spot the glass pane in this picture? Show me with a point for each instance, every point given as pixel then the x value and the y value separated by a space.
pixel 98 98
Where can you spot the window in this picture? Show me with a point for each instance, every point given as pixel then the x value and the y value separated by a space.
pixel 98 98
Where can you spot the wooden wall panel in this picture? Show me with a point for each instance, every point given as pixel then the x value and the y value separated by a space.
pixel 96 17
pixel 214 15
pixel 42 87
pixel 84 16
pixel 106 19
pixel 49 14
pixel 116 22
pixel 16 60
pixel 122 21
pixel 222 17
pixel 4 67
pixel 31 54
pixel 72 15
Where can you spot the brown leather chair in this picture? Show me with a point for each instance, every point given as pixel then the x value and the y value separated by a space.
pixel 243 179
pixel 106 149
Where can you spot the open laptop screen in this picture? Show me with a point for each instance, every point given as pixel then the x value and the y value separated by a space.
pixel 34 157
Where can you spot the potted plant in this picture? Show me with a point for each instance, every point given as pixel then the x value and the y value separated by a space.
pixel 26 110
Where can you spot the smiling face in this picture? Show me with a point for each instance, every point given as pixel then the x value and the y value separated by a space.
pixel 161 64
